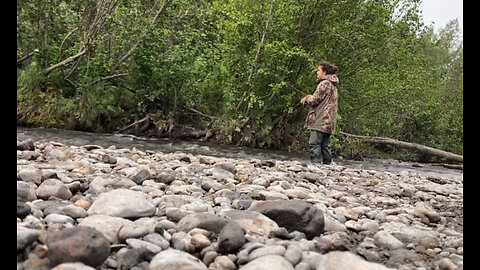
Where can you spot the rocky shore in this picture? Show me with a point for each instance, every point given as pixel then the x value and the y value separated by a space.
pixel 88 207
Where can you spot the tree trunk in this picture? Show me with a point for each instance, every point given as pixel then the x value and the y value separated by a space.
pixel 410 146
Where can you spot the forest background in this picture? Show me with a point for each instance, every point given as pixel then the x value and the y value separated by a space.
pixel 238 68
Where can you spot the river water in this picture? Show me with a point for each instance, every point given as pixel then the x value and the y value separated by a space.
pixel 105 140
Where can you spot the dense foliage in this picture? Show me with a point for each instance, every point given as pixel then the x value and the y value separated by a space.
pixel 99 65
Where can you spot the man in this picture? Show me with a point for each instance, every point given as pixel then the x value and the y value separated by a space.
pixel 322 117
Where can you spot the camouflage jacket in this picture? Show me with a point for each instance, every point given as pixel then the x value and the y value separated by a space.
pixel 323 114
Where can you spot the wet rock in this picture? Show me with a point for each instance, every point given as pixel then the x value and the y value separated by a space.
pixel 231 238
pixel 25 145
pixel 82 244
pixel 293 215
pixel 23 209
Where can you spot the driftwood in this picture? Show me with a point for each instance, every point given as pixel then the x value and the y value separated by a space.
pixel 180 132
pixel 135 123
pixel 410 146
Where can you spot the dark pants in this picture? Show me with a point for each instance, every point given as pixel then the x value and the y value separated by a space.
pixel 320 147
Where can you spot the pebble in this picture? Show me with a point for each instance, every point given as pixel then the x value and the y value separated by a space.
pixel 147 210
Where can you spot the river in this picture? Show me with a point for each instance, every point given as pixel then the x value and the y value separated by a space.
pixel 105 140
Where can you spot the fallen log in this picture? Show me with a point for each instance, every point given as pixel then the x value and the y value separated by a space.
pixel 430 151
pixel 135 123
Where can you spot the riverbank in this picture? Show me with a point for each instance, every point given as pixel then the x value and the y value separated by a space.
pixel 227 213
pixel 195 147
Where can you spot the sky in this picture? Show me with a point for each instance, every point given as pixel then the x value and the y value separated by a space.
pixel 441 12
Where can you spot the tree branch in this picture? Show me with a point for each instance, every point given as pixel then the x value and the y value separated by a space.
pixel 255 60
pixel 23 58
pixel 64 62
pixel 135 45
pixel 110 77
pixel 63 41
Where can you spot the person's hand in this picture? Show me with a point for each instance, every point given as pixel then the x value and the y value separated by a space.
pixel 306 100
pixel 303 100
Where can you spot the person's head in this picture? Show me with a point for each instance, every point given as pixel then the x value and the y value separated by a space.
pixel 325 68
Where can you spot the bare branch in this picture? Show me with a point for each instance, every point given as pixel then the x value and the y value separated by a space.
pixel 23 58
pixel 63 41
pixel 64 62
pixel 73 68
pixel 110 77
pixel 135 45
pixel 254 68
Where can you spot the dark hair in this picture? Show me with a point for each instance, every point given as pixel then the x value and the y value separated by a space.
pixel 328 68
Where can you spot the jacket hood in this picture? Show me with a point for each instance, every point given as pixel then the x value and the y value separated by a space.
pixel 332 78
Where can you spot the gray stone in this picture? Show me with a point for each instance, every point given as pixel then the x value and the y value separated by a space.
pixel 266 251
pixel 78 244
pixel 268 262
pixel 334 241
pixel 157 239
pixel 252 222
pixel 175 259
pixel 109 226
pixel 31 175
pixel 26 192
pixel 123 203
pixel 336 260
pixel 386 240
pixel 231 238
pixel 23 209
pixel 25 145
pixel 222 263
pixel 73 266
pixel 139 244
pixel 55 188
pixel 137 229
pixel 205 221
pixel 140 176
pixel 426 213
pixel 25 237
pixel 412 234
pixel 293 254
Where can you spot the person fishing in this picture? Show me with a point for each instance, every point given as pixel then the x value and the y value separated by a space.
pixel 322 117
